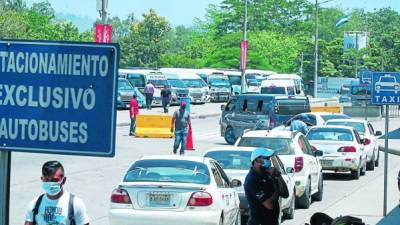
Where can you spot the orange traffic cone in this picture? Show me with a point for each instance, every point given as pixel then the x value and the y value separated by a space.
pixel 189 140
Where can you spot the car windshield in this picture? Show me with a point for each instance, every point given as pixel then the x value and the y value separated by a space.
pixel 334 116
pixel 360 128
pixel 136 80
pixel 163 170
pixel 193 83
pixel 280 145
pixel 387 79
pixel 123 85
pixel 232 160
pixel 176 83
pixel 235 80
pixel 273 90
pixel 292 106
pixel 252 82
pixel 159 82
pixel 219 82
pixel 329 134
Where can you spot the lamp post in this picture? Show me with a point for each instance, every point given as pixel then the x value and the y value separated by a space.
pixel 243 86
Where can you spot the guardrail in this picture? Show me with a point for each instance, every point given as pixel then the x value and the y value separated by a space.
pixel 394 111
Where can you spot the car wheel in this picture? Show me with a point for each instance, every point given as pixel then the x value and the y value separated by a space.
pixel 289 214
pixel 318 196
pixel 304 201
pixel 377 160
pixel 371 164
pixel 229 136
pixel 356 174
pixel 363 169
pixel 238 219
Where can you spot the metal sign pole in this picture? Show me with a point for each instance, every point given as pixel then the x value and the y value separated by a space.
pixel 104 18
pixel 386 160
pixel 5 172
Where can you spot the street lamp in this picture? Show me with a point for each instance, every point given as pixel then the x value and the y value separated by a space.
pixel 243 86
pixel 316 45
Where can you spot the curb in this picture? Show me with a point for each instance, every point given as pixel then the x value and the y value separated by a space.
pixel 122 124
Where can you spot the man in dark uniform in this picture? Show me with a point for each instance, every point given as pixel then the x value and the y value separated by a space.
pixel 263 186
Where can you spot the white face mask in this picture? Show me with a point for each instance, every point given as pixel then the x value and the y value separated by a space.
pixel 51 188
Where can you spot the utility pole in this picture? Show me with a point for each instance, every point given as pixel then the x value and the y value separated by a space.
pixel 104 6
pixel 302 64
pixel 243 87
pixel 316 50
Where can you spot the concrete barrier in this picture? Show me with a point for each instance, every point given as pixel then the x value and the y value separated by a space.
pixel 332 109
pixel 154 126
pixel 359 111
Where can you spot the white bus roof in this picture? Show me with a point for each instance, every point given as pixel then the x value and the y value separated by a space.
pixel 284 76
pixel 261 72
pixel 139 71
pixel 277 83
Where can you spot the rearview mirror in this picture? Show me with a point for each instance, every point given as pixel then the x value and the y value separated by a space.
pixel 378 133
pixel 290 170
pixel 318 153
pixel 236 183
pixel 222 107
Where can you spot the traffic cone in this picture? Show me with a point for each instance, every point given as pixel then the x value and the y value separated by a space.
pixel 189 140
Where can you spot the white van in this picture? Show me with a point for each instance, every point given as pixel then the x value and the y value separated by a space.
pixel 278 87
pixel 298 81
pixel 198 89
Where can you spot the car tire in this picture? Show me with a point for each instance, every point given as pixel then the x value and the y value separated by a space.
pixel 377 160
pixel 371 164
pixel 363 169
pixel 229 136
pixel 356 174
pixel 289 214
pixel 221 221
pixel 304 201
pixel 318 196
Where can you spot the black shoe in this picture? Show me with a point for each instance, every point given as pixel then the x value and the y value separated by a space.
pixel 174 152
pixel 181 153
pixel 131 134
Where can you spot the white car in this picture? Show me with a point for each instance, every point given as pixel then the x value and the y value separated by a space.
pixel 342 147
pixel 365 130
pixel 314 118
pixel 171 190
pixel 236 163
pixel 294 151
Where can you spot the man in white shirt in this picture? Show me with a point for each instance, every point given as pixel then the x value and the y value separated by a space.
pixel 56 206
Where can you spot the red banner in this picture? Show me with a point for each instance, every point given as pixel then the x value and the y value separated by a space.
pixel 243 54
pixel 100 32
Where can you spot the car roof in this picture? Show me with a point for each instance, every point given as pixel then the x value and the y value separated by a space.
pixel 331 126
pixel 231 148
pixel 347 120
pixel 175 157
pixel 271 133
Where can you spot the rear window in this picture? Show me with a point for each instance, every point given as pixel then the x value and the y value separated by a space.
pixel 232 160
pixel 159 82
pixel 280 145
pixel 360 128
pixel 174 171
pixel 292 106
pixel 331 134
pixel 273 90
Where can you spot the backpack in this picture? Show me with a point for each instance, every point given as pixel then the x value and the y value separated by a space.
pixel 71 213
pixel 347 220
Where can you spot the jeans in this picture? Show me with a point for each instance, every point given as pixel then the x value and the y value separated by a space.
pixel 180 136
pixel 165 104
pixel 133 126
pixel 149 100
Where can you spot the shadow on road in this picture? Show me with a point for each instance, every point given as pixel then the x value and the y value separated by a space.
pixel 337 176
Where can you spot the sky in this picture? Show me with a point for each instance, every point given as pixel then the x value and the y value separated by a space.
pixel 182 12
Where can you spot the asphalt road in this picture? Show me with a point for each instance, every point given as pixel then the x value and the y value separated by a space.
pixel 93 179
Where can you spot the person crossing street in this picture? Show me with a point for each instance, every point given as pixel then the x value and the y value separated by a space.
pixel 166 98
pixel 133 112
pixel 180 124
pixel 149 92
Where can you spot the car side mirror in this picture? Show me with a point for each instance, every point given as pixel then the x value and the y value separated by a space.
pixel 290 170
pixel 366 141
pixel 223 107
pixel 378 133
pixel 236 183
pixel 318 153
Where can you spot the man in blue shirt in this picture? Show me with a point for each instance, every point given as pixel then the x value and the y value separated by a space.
pixel 263 186
pixel 299 124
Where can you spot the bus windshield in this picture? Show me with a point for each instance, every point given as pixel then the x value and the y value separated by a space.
pixel 136 80
pixel 193 83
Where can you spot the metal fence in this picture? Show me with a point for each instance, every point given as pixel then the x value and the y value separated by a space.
pixel 394 111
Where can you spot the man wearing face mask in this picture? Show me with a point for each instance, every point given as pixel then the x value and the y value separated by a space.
pixel 56 206
pixel 263 186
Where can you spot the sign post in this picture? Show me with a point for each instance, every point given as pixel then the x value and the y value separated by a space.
pixel 56 98
pixel 385 90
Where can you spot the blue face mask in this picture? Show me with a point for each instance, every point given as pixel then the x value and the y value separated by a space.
pixel 51 188
pixel 266 164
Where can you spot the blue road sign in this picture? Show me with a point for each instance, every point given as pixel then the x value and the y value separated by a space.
pixel 58 97
pixel 365 77
pixel 385 88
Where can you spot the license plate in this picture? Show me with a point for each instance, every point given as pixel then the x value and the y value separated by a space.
pixel 326 162
pixel 159 199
